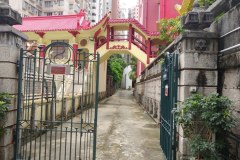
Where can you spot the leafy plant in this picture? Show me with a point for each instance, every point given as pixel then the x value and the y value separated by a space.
pixel 169 29
pixel 201 117
pixel 5 100
pixel 201 147
pixel 205 2
pixel 116 66
pixel 132 74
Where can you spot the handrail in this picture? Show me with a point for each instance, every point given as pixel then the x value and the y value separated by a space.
pixel 116 35
pixel 117 39
pixel 143 48
pixel 139 41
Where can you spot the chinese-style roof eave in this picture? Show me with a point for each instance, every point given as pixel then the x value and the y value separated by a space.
pixel 136 24
pixel 100 24
pixel 58 23
pixel 53 23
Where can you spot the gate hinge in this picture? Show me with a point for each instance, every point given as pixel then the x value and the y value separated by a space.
pixel 18 66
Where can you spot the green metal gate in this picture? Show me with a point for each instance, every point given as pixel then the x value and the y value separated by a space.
pixel 169 82
pixel 57 104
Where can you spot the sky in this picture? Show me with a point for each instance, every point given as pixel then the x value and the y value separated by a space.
pixel 131 3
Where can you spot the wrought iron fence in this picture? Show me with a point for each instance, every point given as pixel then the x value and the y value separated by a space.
pixel 57 105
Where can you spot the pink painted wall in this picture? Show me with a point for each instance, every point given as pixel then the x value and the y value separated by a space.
pixel 150 14
pixel 167 9
pixel 150 11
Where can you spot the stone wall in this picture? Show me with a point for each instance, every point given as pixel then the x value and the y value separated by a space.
pixel 208 62
pixel 147 94
pixel 147 91
pixel 11 41
pixel 228 27
pixel 197 73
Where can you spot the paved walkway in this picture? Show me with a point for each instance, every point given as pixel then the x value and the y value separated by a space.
pixel 125 132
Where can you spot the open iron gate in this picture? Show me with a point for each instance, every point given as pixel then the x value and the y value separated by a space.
pixel 57 104
pixel 169 82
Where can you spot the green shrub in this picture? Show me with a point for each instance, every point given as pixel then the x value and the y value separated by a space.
pixel 201 117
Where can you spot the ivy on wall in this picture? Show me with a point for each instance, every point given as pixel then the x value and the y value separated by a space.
pixel 205 2
pixel 5 100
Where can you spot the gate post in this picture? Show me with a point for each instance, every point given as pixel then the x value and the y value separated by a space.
pixel 198 72
pixel 11 42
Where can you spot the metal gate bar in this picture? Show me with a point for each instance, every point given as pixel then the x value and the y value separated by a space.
pixel 169 82
pixel 56 112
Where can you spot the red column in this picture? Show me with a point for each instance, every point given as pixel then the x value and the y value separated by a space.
pixel 108 36
pixel 112 33
pixel 148 50
pixel 95 47
pixel 130 36
pixel 42 51
pixel 74 55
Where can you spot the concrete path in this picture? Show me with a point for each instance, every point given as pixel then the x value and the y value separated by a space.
pixel 125 132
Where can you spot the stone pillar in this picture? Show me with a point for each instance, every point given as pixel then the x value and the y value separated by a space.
pixel 11 40
pixel 198 70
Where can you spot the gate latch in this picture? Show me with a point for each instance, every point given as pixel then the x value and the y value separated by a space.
pixel 166 90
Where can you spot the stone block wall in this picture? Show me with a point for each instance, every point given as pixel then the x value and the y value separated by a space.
pixel 11 41
pixel 197 73
pixel 147 94
pixel 228 27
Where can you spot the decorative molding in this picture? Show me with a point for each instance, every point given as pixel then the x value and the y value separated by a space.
pixel 41 34
pixel 74 33
pixel 201 45
pixel 83 42
pixel 118 47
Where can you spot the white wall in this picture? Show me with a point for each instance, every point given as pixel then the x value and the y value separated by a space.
pixel 126 81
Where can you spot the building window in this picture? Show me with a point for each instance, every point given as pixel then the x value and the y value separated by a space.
pixel 48 13
pixel 70 6
pixel 26 5
pixel 32 9
pixel 93 14
pixel 61 2
pixel 48 4
pixel 93 7
pixel 39 13
pixel 60 13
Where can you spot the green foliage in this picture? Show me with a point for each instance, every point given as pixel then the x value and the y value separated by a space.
pixel 205 2
pixel 201 117
pixel 132 74
pixel 116 66
pixel 169 29
pixel 5 100
pixel 202 147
